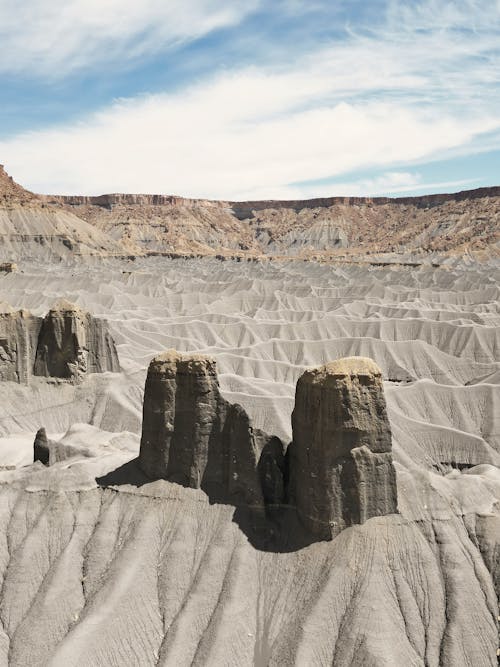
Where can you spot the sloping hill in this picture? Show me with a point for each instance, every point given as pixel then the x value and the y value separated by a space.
pixel 335 227
pixel 31 229
pixel 347 228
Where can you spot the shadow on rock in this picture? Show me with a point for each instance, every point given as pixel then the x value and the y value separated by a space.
pixel 336 472
pixel 127 474
pixel 274 529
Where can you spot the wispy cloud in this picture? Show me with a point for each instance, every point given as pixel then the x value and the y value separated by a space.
pixel 56 37
pixel 411 89
pixel 388 183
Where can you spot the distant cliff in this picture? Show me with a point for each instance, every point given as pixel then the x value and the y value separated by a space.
pixel 333 228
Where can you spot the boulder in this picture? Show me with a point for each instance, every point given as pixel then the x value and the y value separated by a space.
pixel 41 448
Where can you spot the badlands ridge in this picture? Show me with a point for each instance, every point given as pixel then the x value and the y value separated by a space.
pixel 34 226
pixel 265 462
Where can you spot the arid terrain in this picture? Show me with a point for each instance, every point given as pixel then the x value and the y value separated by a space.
pixel 325 229
pixel 270 562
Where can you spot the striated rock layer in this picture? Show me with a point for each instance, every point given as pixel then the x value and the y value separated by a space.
pixel 132 225
pixel 339 463
pixel 341 457
pixel 68 343
pixel 191 435
pixel 18 340
pixel 73 343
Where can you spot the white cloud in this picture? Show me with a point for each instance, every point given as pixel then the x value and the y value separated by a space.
pixel 55 37
pixel 376 100
pixel 211 144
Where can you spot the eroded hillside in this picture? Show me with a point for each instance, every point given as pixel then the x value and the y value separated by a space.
pixel 335 228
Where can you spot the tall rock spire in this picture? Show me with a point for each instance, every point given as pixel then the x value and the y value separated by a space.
pixel 340 461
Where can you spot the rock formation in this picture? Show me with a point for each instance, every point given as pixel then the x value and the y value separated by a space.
pixel 191 435
pixel 41 447
pixel 49 451
pixel 339 464
pixel 73 343
pixel 340 461
pixel 18 340
pixel 8 267
pixel 68 343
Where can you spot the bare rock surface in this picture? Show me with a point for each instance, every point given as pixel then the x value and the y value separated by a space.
pixel 341 468
pixel 101 564
pixel 191 435
pixel 55 228
pixel 338 467
pixel 73 343
pixel 68 343
pixel 19 332
pixel 41 447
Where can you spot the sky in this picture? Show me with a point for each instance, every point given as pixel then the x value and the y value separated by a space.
pixel 250 99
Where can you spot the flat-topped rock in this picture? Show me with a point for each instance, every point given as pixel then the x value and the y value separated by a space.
pixel 360 366
pixel 340 460
pixel 19 331
pixel 337 471
pixel 191 435
pixel 73 343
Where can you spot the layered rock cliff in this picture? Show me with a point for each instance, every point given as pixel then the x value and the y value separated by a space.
pixel 41 226
pixel 32 229
pixel 68 343
pixel 337 471
pixel 73 343
pixel 191 435
pixel 341 470
pixel 325 228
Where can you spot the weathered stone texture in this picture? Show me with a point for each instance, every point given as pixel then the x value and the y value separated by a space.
pixel 68 343
pixel 340 461
pixel 18 340
pixel 191 435
pixel 73 343
pixel 337 471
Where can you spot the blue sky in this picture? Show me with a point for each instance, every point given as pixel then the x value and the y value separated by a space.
pixel 251 99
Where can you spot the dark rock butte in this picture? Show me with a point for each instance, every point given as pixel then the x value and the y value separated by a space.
pixel 191 435
pixel 41 449
pixel 67 344
pixel 73 343
pixel 340 461
pixel 337 471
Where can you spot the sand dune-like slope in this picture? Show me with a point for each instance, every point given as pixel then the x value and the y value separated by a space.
pixel 99 566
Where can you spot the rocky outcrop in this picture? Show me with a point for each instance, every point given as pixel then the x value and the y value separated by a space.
pixel 191 435
pixel 50 452
pixel 18 340
pixel 41 447
pixel 73 343
pixel 10 191
pixel 337 471
pixel 340 461
pixel 8 267
pixel 68 344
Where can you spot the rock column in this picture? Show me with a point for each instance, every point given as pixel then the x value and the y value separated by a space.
pixel 182 416
pixel 191 435
pixel 341 470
